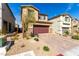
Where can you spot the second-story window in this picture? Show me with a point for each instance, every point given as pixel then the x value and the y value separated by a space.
pixel 66 24
pixel 67 19
pixel 42 17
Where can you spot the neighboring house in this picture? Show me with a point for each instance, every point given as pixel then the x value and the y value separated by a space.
pixel 42 25
pixel 75 26
pixel 0 17
pixel 61 23
pixel 16 26
pixel 7 21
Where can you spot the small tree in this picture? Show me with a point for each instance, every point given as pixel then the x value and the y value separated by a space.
pixel 30 18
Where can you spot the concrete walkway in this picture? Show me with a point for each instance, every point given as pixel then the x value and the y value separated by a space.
pixel 29 53
pixel 3 51
pixel 72 52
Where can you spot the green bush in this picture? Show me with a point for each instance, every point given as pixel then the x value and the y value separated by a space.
pixel 45 48
pixel 66 32
pixel 75 37
pixel 36 39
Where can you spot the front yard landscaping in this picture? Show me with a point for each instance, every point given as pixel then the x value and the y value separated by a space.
pixel 44 45
pixel 76 37
pixel 23 45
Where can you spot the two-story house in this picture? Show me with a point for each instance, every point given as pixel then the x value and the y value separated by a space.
pixel 61 23
pixel 7 19
pixel 42 25
pixel 0 16
pixel 75 26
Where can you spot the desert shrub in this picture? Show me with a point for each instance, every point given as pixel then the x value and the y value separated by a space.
pixel 66 32
pixel 32 35
pixel 27 36
pixel 75 37
pixel 15 37
pixel 46 48
pixel 36 39
pixel 37 35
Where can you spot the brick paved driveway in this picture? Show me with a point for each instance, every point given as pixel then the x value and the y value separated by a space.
pixel 60 43
pixel 57 44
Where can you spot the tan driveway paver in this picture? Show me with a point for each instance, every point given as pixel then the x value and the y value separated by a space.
pixel 60 43
pixel 56 43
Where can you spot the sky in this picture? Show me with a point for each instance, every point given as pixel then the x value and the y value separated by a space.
pixel 51 9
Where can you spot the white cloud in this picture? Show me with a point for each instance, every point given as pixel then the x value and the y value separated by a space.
pixel 69 7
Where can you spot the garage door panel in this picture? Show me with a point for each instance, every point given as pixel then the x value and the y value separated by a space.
pixel 41 29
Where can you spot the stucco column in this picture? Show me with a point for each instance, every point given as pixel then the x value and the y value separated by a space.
pixel 50 29
pixel 30 28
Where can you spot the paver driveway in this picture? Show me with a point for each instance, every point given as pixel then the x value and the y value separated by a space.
pixel 60 43
pixel 57 44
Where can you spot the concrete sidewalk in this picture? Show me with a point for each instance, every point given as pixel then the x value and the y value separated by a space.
pixel 72 52
pixel 3 51
pixel 28 53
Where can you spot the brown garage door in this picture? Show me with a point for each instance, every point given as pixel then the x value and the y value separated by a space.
pixel 40 29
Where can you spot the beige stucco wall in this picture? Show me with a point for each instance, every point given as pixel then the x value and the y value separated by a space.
pixel 74 29
pixel 24 15
pixel 58 24
pixel 74 22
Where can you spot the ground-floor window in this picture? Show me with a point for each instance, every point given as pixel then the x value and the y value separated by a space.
pixel 65 29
